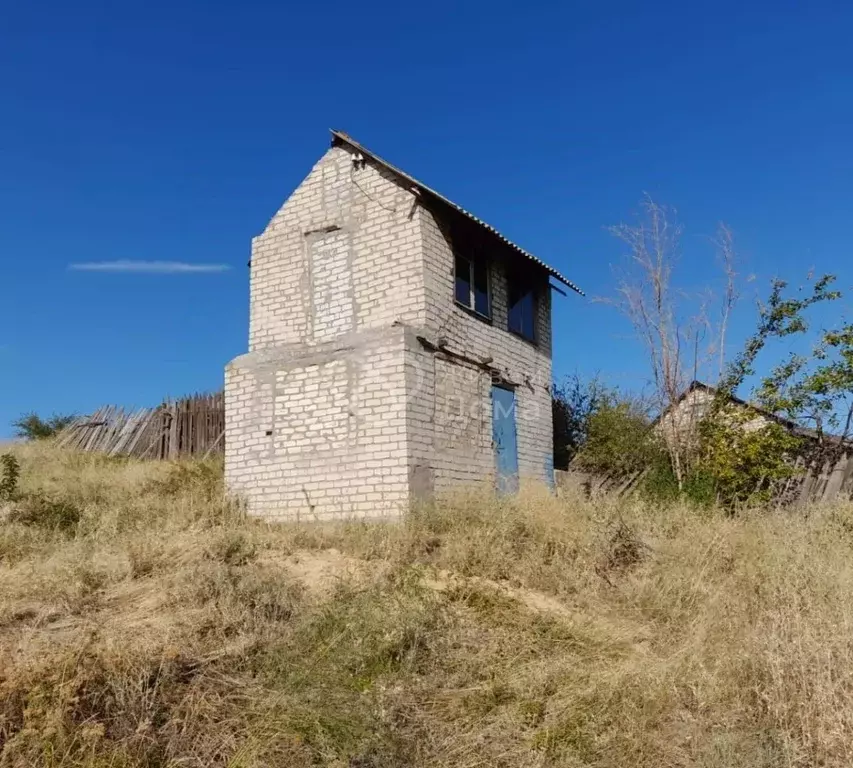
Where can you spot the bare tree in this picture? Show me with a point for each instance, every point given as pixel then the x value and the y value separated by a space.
pixel 677 330
pixel 726 254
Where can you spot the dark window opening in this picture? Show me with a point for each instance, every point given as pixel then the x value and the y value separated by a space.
pixel 472 285
pixel 522 310
pixel 463 281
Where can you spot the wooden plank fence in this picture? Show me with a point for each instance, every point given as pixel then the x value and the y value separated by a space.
pixel 190 426
pixel 816 483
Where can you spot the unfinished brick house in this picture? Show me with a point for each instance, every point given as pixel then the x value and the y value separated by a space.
pixel 397 346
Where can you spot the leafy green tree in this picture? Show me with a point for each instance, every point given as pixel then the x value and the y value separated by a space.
pixel 816 390
pixel 574 403
pixel 620 439
pixel 745 457
pixel 780 317
pixel 31 426
pixel 742 459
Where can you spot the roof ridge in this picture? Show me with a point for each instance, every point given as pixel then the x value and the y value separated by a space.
pixel 794 426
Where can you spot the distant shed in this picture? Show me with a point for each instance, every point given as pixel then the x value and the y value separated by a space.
pixel 821 481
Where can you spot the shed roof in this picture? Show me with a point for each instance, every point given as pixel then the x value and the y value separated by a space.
pixel 338 138
pixel 792 426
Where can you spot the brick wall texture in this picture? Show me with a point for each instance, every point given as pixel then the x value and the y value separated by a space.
pixel 342 406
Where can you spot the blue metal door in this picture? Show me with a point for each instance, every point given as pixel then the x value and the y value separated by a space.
pixel 504 439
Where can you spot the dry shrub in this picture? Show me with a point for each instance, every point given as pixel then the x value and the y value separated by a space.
pixel 232 548
pixel 56 514
pixel 10 470
pixel 163 628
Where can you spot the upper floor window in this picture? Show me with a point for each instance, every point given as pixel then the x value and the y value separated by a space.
pixel 472 285
pixel 521 315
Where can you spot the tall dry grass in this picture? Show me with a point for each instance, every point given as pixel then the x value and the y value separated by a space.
pixel 143 622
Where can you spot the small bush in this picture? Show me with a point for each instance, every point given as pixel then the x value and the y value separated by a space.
pixel 202 478
pixel 233 549
pixel 44 511
pixel 31 426
pixel 623 548
pixel 11 471
pixel 700 487
pixel 269 595
pixel 741 464
pixel 620 441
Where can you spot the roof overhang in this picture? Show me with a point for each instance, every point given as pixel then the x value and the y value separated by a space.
pixel 339 138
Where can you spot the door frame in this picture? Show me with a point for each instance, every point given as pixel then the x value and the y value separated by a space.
pixel 506 482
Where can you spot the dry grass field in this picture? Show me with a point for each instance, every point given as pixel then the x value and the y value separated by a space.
pixel 144 622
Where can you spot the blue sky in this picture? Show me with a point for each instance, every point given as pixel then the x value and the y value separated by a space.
pixel 172 132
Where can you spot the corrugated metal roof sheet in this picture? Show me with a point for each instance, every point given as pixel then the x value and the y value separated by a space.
pixel 340 137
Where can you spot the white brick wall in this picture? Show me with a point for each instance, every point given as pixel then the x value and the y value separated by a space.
pixel 320 436
pixel 346 234
pixel 520 362
pixel 333 295
pixel 338 410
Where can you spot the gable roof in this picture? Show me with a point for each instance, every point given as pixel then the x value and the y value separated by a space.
pixel 792 426
pixel 338 138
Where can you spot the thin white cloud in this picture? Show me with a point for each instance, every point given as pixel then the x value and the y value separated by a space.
pixel 148 267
